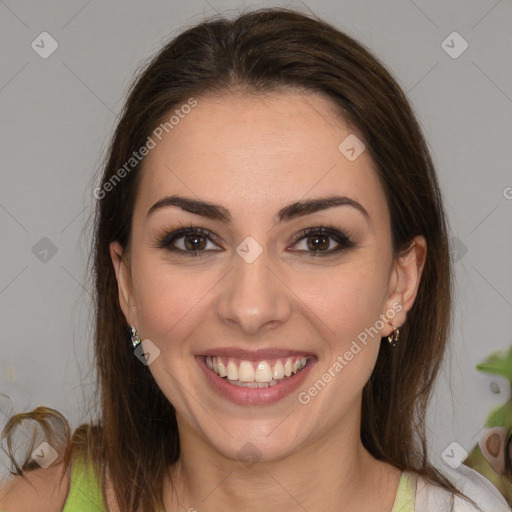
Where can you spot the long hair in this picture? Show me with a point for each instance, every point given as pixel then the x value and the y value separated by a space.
pixel 259 52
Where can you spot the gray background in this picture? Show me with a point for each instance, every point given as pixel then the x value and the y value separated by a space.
pixel 58 114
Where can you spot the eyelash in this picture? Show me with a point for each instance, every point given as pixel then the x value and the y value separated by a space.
pixel 166 238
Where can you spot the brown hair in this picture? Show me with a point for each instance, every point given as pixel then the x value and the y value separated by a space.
pixel 259 52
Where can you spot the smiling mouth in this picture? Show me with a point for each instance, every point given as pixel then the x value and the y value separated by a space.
pixel 256 374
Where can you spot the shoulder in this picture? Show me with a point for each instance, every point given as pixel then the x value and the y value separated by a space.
pixel 430 497
pixel 39 489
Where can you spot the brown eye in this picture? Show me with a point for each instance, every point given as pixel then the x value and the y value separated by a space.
pixel 319 240
pixel 194 242
pixel 188 241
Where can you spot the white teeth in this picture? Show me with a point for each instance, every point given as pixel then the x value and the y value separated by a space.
pixel 263 372
pixel 264 375
pixel 222 369
pixel 249 384
pixel 288 368
pixel 278 370
pixel 246 372
pixel 232 371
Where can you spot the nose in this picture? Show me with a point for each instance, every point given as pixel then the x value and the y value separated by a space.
pixel 254 297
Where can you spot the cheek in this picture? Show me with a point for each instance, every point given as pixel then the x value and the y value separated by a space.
pixel 168 298
pixel 347 298
pixel 349 303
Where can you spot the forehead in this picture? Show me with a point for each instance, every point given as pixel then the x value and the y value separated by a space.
pixel 256 153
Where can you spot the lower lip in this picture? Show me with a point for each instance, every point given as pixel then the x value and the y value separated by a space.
pixel 255 396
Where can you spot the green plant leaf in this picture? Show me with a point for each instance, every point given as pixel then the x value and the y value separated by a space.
pixel 500 416
pixel 498 363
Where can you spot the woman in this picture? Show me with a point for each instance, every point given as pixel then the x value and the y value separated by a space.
pixel 271 233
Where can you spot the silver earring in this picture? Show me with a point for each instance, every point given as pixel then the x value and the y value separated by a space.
pixel 134 337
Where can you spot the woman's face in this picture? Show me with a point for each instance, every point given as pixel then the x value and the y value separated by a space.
pixel 250 287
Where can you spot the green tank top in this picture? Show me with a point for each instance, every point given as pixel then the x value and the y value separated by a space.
pixel 406 493
pixel 84 489
pixel 85 492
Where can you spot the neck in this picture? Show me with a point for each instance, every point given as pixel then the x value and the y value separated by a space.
pixel 336 473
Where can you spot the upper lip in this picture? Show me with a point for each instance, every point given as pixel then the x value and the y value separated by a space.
pixel 255 355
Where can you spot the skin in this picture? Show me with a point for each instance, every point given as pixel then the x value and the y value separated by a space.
pixel 255 155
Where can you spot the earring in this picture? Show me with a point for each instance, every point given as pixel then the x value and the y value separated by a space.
pixel 393 337
pixel 134 337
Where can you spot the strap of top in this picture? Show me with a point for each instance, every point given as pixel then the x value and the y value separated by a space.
pixel 84 491
pixel 406 493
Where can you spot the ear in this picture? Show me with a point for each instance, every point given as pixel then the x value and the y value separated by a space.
pixel 124 284
pixel 404 283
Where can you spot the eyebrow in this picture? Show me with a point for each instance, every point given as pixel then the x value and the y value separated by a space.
pixel 292 211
